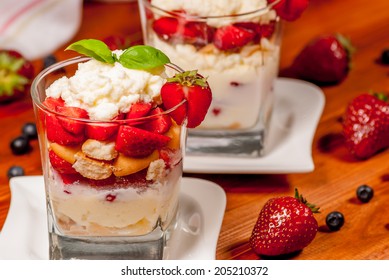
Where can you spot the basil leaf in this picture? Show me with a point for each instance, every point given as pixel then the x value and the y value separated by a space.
pixel 93 48
pixel 143 58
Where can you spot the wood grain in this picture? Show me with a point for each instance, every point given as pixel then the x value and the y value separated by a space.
pixel 337 174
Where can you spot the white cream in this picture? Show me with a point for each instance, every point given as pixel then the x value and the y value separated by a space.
pixel 104 90
pixel 83 210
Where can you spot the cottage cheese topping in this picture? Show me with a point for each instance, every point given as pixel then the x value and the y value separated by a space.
pixel 211 7
pixel 104 90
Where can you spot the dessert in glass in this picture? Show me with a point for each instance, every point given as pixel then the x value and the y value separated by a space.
pixel 112 139
pixel 235 45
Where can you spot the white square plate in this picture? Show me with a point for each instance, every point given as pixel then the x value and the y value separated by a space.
pixel 297 110
pixel 201 210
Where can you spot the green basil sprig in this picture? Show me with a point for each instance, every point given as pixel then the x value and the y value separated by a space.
pixel 138 57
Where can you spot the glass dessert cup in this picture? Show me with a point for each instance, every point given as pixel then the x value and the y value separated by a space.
pixel 241 74
pixel 101 202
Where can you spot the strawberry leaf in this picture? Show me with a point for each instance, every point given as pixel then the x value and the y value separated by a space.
pixel 143 58
pixel 93 48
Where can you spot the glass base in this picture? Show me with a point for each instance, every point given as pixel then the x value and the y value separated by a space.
pixel 146 247
pixel 248 143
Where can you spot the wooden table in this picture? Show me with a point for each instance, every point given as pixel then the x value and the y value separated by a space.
pixel 337 174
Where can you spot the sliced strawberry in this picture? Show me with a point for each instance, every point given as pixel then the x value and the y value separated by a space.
pixel 165 27
pixel 138 110
pixel 136 142
pixel 232 37
pixel 289 9
pixel 197 33
pixel 72 126
pixel 171 157
pixel 53 103
pixel 192 87
pixel 160 124
pixel 260 30
pixel 57 134
pixel 60 165
pixel 101 131
pixel 71 179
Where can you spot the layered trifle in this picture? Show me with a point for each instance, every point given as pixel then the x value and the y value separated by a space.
pixel 112 135
pixel 236 45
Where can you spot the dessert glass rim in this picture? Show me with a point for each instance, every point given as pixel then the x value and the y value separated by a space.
pixel 78 59
pixel 259 11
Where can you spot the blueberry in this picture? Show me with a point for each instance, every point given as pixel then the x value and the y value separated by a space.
pixel 335 220
pixel 15 171
pixel 385 56
pixel 20 145
pixel 29 131
pixel 49 60
pixel 365 193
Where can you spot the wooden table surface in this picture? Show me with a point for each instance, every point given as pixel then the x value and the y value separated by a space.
pixel 337 174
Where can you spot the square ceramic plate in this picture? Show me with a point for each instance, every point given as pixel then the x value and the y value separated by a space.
pixel 201 210
pixel 297 110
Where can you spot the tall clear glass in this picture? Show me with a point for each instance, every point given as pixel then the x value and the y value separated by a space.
pixel 239 53
pixel 113 206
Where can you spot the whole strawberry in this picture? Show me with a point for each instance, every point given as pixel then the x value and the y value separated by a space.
pixel 16 74
pixel 285 225
pixel 366 125
pixel 191 87
pixel 289 9
pixel 324 60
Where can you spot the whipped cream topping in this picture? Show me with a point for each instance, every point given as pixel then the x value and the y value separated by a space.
pixel 211 7
pixel 105 90
pixel 216 9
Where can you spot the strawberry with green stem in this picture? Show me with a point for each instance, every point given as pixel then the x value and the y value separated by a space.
pixel 285 225
pixel 16 74
pixel 193 88
pixel 326 59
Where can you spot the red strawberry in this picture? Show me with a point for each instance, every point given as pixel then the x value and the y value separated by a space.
pixel 136 142
pixel 232 37
pixel 159 124
pixel 284 225
pixel 56 133
pixel 60 165
pixel 138 110
pixel 366 125
pixel 70 125
pixel 197 33
pixel 15 75
pixel 71 179
pixel 53 103
pixel 101 131
pixel 117 42
pixel 289 9
pixel 195 90
pixel 166 27
pixel 260 30
pixel 326 59
pixel 178 30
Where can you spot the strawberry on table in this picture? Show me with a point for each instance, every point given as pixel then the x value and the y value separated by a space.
pixel 289 10
pixel 16 74
pixel 285 225
pixel 366 125
pixel 324 60
pixel 191 87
